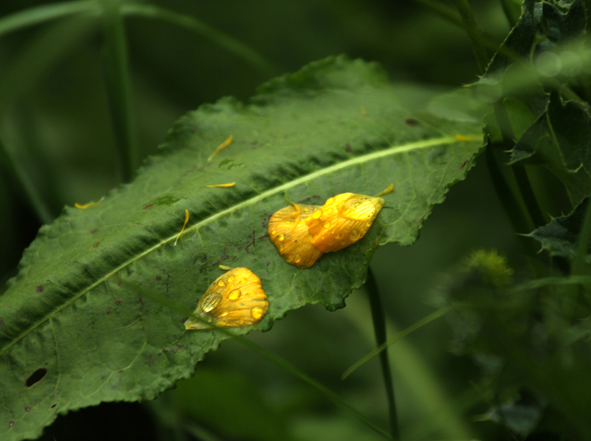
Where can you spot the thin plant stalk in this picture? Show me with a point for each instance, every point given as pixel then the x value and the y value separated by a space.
pixel 474 34
pixel 520 219
pixel 119 88
pixel 399 336
pixel 379 326
pixel 22 179
pixel 225 41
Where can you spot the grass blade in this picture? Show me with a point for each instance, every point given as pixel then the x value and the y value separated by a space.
pixel 41 14
pixel 399 336
pixel 379 326
pixel 119 88
pixel 22 180
pixel 252 57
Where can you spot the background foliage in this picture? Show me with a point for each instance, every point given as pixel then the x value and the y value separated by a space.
pixel 522 360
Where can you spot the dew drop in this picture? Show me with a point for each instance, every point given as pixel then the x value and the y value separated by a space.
pixel 329 211
pixel 306 210
pixel 221 283
pixel 354 235
pixel 231 279
pixel 327 225
pixel 273 233
pixel 210 301
pixel 289 259
pixel 329 201
pixel 281 238
pixel 256 312
pixel 298 258
pixel 281 248
pixel 234 294
pixel 369 224
pixel 317 214
pixel 339 236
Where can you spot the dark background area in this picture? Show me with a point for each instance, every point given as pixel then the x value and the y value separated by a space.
pixel 57 125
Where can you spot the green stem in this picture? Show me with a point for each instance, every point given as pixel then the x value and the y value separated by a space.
pixel 119 88
pixel 474 34
pixel 252 57
pixel 379 326
pixel 399 336
pixel 579 267
pixel 275 359
pixel 520 220
pixel 41 14
pixel 450 15
pixel 523 183
pixel 26 185
pixel 512 11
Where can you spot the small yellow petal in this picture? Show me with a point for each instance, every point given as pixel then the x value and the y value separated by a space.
pixel 85 206
pixel 222 146
pixel 184 225
pixel 231 184
pixel 388 190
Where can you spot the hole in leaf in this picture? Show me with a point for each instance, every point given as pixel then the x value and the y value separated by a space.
pixel 36 377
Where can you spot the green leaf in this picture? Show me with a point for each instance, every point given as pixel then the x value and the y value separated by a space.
pixel 560 139
pixel 560 235
pixel 71 336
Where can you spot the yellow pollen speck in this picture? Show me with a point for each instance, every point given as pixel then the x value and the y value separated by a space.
pixel 184 225
pixel 256 312
pixel 223 145
pixel 465 138
pixel 388 189
pixel 231 184
pixel 85 206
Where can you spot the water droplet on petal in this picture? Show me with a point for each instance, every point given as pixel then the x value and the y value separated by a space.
pixel 339 236
pixel 256 312
pixel 231 279
pixel 298 258
pixel 234 294
pixel 317 214
pixel 273 233
pixel 354 235
pixel 327 225
pixel 329 201
pixel 221 283
pixel 281 238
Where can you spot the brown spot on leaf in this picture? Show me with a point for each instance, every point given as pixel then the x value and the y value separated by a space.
pixel 96 244
pixel 148 206
pixel 94 231
pixel 411 122
pixel 39 288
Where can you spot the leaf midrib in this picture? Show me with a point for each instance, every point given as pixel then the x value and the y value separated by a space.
pixel 303 179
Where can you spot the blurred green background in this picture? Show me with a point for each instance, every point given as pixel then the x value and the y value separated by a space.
pixel 55 121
